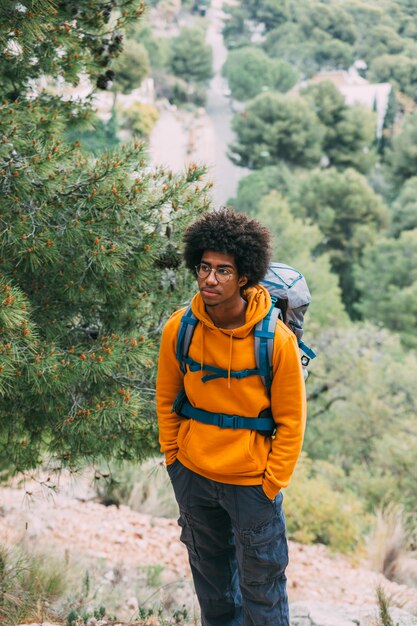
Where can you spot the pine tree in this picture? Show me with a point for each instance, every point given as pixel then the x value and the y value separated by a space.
pixel 88 250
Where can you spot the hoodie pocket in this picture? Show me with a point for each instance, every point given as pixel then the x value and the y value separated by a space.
pixel 223 451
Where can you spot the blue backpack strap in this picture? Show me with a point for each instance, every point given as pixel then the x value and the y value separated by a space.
pixel 264 423
pixel 264 344
pixel 217 372
pixel 185 333
pixel 308 353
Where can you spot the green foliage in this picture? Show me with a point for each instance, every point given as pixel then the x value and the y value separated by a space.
pixel 139 119
pixel 269 12
pixel 317 511
pixel 330 18
pixel 131 67
pixel 350 130
pixel 191 58
pixel 362 412
pixel 85 261
pixel 404 209
pixel 97 137
pixel 276 127
pixel 391 264
pixel 87 254
pixel 383 606
pixel 235 30
pixel 250 70
pixel 41 39
pixel 295 242
pixel 308 51
pixel 381 40
pixel 157 47
pixel 402 158
pixel 259 183
pixel 29 583
pixel 397 69
pixel 348 213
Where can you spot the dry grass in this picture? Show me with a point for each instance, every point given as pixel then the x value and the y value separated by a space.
pixel 389 546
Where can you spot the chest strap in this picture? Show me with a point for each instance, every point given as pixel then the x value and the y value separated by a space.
pixel 263 424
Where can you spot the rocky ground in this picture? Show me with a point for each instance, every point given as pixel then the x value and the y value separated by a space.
pixel 135 559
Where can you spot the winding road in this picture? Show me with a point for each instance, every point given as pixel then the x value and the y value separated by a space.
pixel 178 140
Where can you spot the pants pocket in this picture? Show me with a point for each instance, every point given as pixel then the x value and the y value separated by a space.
pixel 265 552
pixel 187 536
pixel 172 469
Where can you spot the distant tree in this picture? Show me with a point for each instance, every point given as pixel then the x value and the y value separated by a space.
pixel 249 71
pixel 285 76
pixel 327 101
pixel 362 411
pixel 385 140
pixel 98 137
pixel 404 208
pixel 350 130
pixel 254 186
pixel 139 119
pixel 402 158
pixel 269 12
pixel 191 57
pixel 380 40
pixel 236 31
pixel 131 68
pixel 157 47
pixel 308 53
pixel 294 243
pixel 276 127
pixel 397 69
pixel 333 54
pixel 282 38
pixel 348 213
pixel 333 19
pixel 391 264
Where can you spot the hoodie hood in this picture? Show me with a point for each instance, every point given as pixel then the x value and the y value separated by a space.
pixel 259 303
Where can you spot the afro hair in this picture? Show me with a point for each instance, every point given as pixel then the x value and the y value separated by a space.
pixel 230 233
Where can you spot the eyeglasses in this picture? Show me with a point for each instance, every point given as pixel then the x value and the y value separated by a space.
pixel 222 274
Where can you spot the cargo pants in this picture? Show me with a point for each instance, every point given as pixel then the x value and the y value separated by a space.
pixel 237 549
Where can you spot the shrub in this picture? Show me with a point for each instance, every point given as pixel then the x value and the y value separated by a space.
pixel 139 119
pixel 318 511
pixel 29 583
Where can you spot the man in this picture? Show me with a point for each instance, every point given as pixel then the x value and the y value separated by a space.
pixel 226 480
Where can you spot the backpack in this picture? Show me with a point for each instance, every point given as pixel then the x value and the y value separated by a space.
pixel 290 299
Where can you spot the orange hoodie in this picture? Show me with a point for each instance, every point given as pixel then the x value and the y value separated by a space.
pixel 235 456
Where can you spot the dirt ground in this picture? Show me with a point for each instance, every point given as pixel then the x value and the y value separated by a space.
pixel 125 542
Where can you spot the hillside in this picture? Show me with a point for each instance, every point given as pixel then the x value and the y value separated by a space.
pixel 136 560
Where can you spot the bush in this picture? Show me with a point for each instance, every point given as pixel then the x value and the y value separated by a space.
pixel 318 511
pixel 139 119
pixel 29 583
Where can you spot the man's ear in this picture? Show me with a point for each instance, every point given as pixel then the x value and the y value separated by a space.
pixel 242 281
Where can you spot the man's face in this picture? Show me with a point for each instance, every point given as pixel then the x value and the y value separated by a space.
pixel 226 290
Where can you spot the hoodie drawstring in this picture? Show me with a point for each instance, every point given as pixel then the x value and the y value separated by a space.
pixel 229 367
pixel 202 348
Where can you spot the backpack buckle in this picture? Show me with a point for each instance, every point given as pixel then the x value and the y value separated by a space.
pixel 227 421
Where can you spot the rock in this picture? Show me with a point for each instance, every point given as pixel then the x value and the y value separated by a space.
pixel 133 604
pixel 322 614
